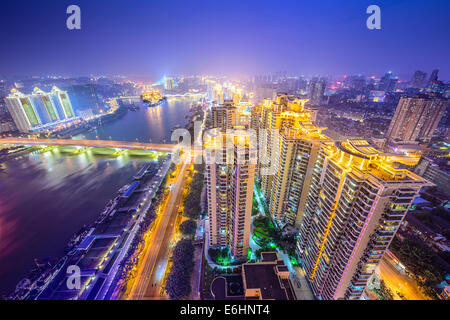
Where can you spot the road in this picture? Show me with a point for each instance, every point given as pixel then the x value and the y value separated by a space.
pixel 398 281
pixel 147 284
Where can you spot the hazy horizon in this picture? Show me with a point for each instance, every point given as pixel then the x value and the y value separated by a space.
pixel 233 38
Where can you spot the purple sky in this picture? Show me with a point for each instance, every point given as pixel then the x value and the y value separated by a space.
pixel 155 38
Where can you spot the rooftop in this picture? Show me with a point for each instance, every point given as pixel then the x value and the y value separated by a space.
pixel 269 277
pixel 265 280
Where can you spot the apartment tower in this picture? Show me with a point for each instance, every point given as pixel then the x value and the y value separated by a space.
pixel 225 115
pixel 357 200
pixel 290 156
pixel 33 111
pixel 230 170
pixel 416 118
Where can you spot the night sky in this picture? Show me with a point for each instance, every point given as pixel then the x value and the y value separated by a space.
pixel 155 38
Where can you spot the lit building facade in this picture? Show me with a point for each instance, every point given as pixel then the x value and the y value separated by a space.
pixel 270 122
pixel 62 103
pixel 22 111
pixel 295 159
pixel 34 111
pixel 230 171
pixel 290 156
pixel 357 200
pixel 224 116
pixel 218 94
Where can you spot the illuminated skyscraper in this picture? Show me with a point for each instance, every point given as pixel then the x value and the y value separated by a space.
pixel 255 117
pixel 295 160
pixel 237 96
pixel 224 116
pixel 289 157
pixel 416 118
pixel 218 95
pixel 210 84
pixel 62 103
pixel 244 114
pixel 32 111
pixel 357 200
pixel 44 106
pixel 22 111
pixel 230 171
pixel 270 122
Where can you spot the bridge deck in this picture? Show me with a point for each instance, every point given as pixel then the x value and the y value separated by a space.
pixel 90 143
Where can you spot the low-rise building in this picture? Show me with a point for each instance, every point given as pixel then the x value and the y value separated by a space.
pixel 264 280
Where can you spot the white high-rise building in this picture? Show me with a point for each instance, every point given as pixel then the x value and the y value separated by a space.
pixel 32 111
pixel 230 170
pixel 168 85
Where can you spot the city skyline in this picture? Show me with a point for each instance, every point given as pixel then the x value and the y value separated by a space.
pixel 334 202
pixel 232 151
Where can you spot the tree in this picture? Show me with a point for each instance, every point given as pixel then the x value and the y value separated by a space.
pixel 188 227
pixel 192 206
pixel 385 292
pixel 178 284
pixel 422 261
pixel 255 209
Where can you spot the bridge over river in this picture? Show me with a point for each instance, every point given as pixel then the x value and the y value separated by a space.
pixel 90 143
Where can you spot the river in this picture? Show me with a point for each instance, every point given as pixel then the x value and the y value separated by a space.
pixel 146 124
pixel 46 197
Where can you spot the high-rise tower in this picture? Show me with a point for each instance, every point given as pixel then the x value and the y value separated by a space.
pixel 295 160
pixel 289 155
pixel 418 79
pixel 22 110
pixel 31 111
pixel 224 116
pixel 416 118
pixel 316 90
pixel 433 77
pixel 356 203
pixel 230 170
pixel 62 103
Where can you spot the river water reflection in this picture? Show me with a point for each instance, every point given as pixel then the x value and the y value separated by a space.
pixel 46 197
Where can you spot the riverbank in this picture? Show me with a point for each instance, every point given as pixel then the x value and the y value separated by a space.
pixel 88 125
pixel 98 248
pixel 48 194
